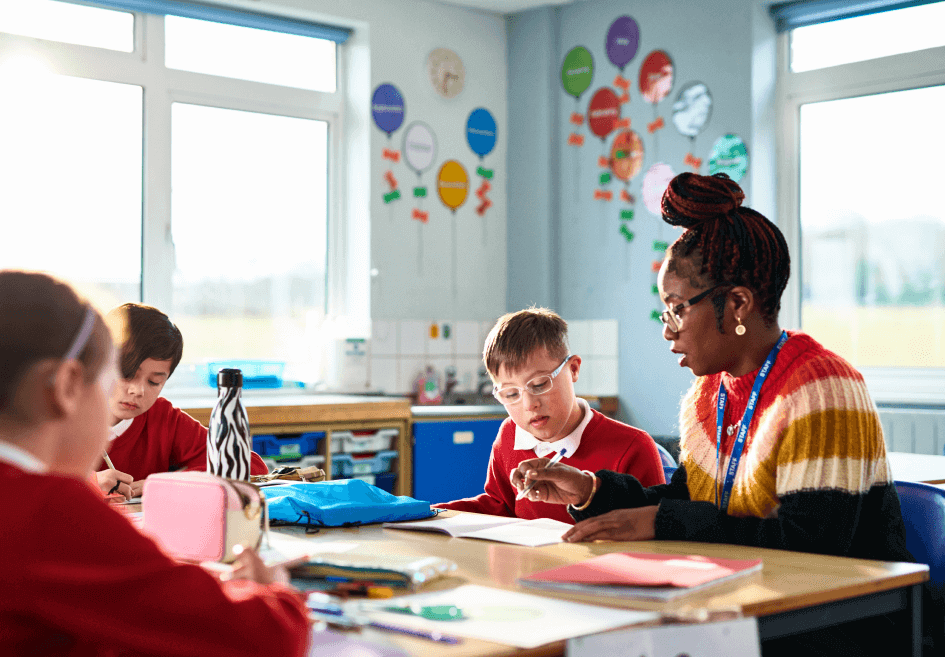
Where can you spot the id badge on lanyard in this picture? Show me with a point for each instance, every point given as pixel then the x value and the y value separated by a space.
pixel 739 443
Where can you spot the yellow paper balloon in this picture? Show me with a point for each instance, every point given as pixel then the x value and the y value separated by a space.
pixel 452 184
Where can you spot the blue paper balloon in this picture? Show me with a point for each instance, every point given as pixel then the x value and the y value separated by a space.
pixel 481 131
pixel 387 107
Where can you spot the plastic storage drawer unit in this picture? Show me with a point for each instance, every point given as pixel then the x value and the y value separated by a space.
pixel 346 465
pixel 450 458
pixel 287 447
pixel 356 442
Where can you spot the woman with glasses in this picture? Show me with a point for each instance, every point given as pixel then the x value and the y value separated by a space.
pixel 781 445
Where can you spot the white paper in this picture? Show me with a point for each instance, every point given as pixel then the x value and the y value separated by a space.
pixel 512 618
pixel 733 638
pixel 542 531
pixel 288 549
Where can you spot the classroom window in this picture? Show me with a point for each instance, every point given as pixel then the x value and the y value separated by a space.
pixel 249 54
pixel 70 180
pixel 861 166
pixel 69 23
pixel 201 180
pixel 249 211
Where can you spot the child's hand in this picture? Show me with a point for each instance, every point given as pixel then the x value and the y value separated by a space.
pixel 559 484
pixel 113 481
pixel 249 566
pixel 137 487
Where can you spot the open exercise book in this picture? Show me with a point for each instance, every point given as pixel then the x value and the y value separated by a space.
pixel 643 576
pixel 533 533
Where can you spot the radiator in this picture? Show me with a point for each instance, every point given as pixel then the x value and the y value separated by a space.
pixel 915 430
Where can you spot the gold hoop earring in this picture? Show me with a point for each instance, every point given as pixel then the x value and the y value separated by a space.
pixel 740 329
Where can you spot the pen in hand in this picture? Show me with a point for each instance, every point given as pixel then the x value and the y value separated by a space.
pixel 554 459
pixel 111 466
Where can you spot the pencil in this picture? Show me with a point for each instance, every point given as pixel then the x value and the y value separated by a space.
pixel 554 459
pixel 108 461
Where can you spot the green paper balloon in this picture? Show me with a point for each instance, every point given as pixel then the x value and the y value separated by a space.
pixel 729 156
pixel 577 72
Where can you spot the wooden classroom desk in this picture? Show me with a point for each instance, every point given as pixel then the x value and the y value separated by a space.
pixel 793 592
pixel 923 468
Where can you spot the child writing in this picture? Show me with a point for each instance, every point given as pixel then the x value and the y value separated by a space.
pixel 527 357
pixel 148 433
pixel 77 577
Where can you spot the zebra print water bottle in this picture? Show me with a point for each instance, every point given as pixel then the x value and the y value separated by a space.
pixel 228 442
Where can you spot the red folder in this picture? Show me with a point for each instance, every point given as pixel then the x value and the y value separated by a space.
pixel 652 576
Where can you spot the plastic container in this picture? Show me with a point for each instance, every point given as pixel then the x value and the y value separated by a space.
pixel 357 442
pixel 287 447
pixel 346 465
pixel 256 373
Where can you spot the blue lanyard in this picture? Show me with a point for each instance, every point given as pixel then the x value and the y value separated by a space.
pixel 739 444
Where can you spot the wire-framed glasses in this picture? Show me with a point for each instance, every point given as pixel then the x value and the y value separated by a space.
pixel 671 317
pixel 510 395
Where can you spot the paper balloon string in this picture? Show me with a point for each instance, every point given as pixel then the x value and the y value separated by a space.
pixel 693 161
pixel 621 82
pixel 420 215
pixel 626 232
pixel 653 126
pixel 627 197
pixel 577 118
pixel 575 139
pixel 603 195
pixel 624 123
pixel 419 192
pixel 729 156
pixel 387 108
pixel 391 180
pixel 393 156
pixel 623 39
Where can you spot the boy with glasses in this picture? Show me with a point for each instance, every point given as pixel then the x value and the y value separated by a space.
pixel 527 357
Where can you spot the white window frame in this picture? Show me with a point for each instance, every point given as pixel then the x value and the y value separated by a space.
pixel 924 68
pixel 346 289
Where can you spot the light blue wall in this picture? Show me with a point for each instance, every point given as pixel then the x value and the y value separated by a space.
pixel 565 247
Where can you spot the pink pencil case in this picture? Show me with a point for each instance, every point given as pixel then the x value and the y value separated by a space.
pixel 197 516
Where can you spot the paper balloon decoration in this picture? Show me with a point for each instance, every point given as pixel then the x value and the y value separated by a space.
pixel 626 155
pixel 577 71
pixel 481 131
pixel 692 109
pixel 603 112
pixel 623 39
pixel 656 76
pixel 729 156
pixel 387 107
pixel 452 184
pixel 419 146
pixel 655 183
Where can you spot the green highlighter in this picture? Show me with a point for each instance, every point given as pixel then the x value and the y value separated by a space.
pixel 431 612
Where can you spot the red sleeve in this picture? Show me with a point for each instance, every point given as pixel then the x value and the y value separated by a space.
pixel 642 460
pixel 80 570
pixel 190 445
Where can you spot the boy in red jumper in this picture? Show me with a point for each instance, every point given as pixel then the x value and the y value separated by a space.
pixel 78 578
pixel 527 356
pixel 148 433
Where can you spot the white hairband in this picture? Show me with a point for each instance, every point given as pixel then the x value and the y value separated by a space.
pixel 78 343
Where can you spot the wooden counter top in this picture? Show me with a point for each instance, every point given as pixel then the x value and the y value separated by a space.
pixel 264 409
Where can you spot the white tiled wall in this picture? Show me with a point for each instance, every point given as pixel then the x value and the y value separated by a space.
pixel 399 350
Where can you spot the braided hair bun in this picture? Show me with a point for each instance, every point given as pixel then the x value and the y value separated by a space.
pixel 725 243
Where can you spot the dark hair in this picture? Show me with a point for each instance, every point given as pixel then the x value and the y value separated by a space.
pixel 146 333
pixel 516 336
pixel 40 316
pixel 725 244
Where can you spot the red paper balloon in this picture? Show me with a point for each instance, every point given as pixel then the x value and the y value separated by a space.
pixel 656 76
pixel 603 112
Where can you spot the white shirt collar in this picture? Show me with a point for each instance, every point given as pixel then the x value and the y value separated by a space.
pixel 525 440
pixel 119 428
pixel 22 459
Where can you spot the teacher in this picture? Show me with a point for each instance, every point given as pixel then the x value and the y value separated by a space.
pixel 781 445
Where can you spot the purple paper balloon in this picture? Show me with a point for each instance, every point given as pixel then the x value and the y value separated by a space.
pixel 623 38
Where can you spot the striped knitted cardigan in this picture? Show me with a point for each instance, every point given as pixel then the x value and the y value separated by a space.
pixel 813 475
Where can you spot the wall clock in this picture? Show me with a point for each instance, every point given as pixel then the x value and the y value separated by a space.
pixel 447 73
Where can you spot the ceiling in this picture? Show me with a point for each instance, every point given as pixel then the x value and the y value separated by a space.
pixel 504 6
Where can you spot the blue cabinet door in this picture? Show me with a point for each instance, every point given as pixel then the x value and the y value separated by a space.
pixel 450 458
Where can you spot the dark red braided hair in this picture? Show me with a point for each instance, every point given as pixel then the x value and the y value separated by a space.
pixel 725 244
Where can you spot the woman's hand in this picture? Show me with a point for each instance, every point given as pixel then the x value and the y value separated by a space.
pixel 620 525
pixel 559 484
pixel 108 480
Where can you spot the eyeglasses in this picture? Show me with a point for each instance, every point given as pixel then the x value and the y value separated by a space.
pixel 510 395
pixel 671 317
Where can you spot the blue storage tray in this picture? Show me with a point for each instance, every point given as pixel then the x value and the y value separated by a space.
pixel 256 373
pixel 287 447
pixel 348 465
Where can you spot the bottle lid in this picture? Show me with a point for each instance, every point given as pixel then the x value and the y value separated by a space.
pixel 229 378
